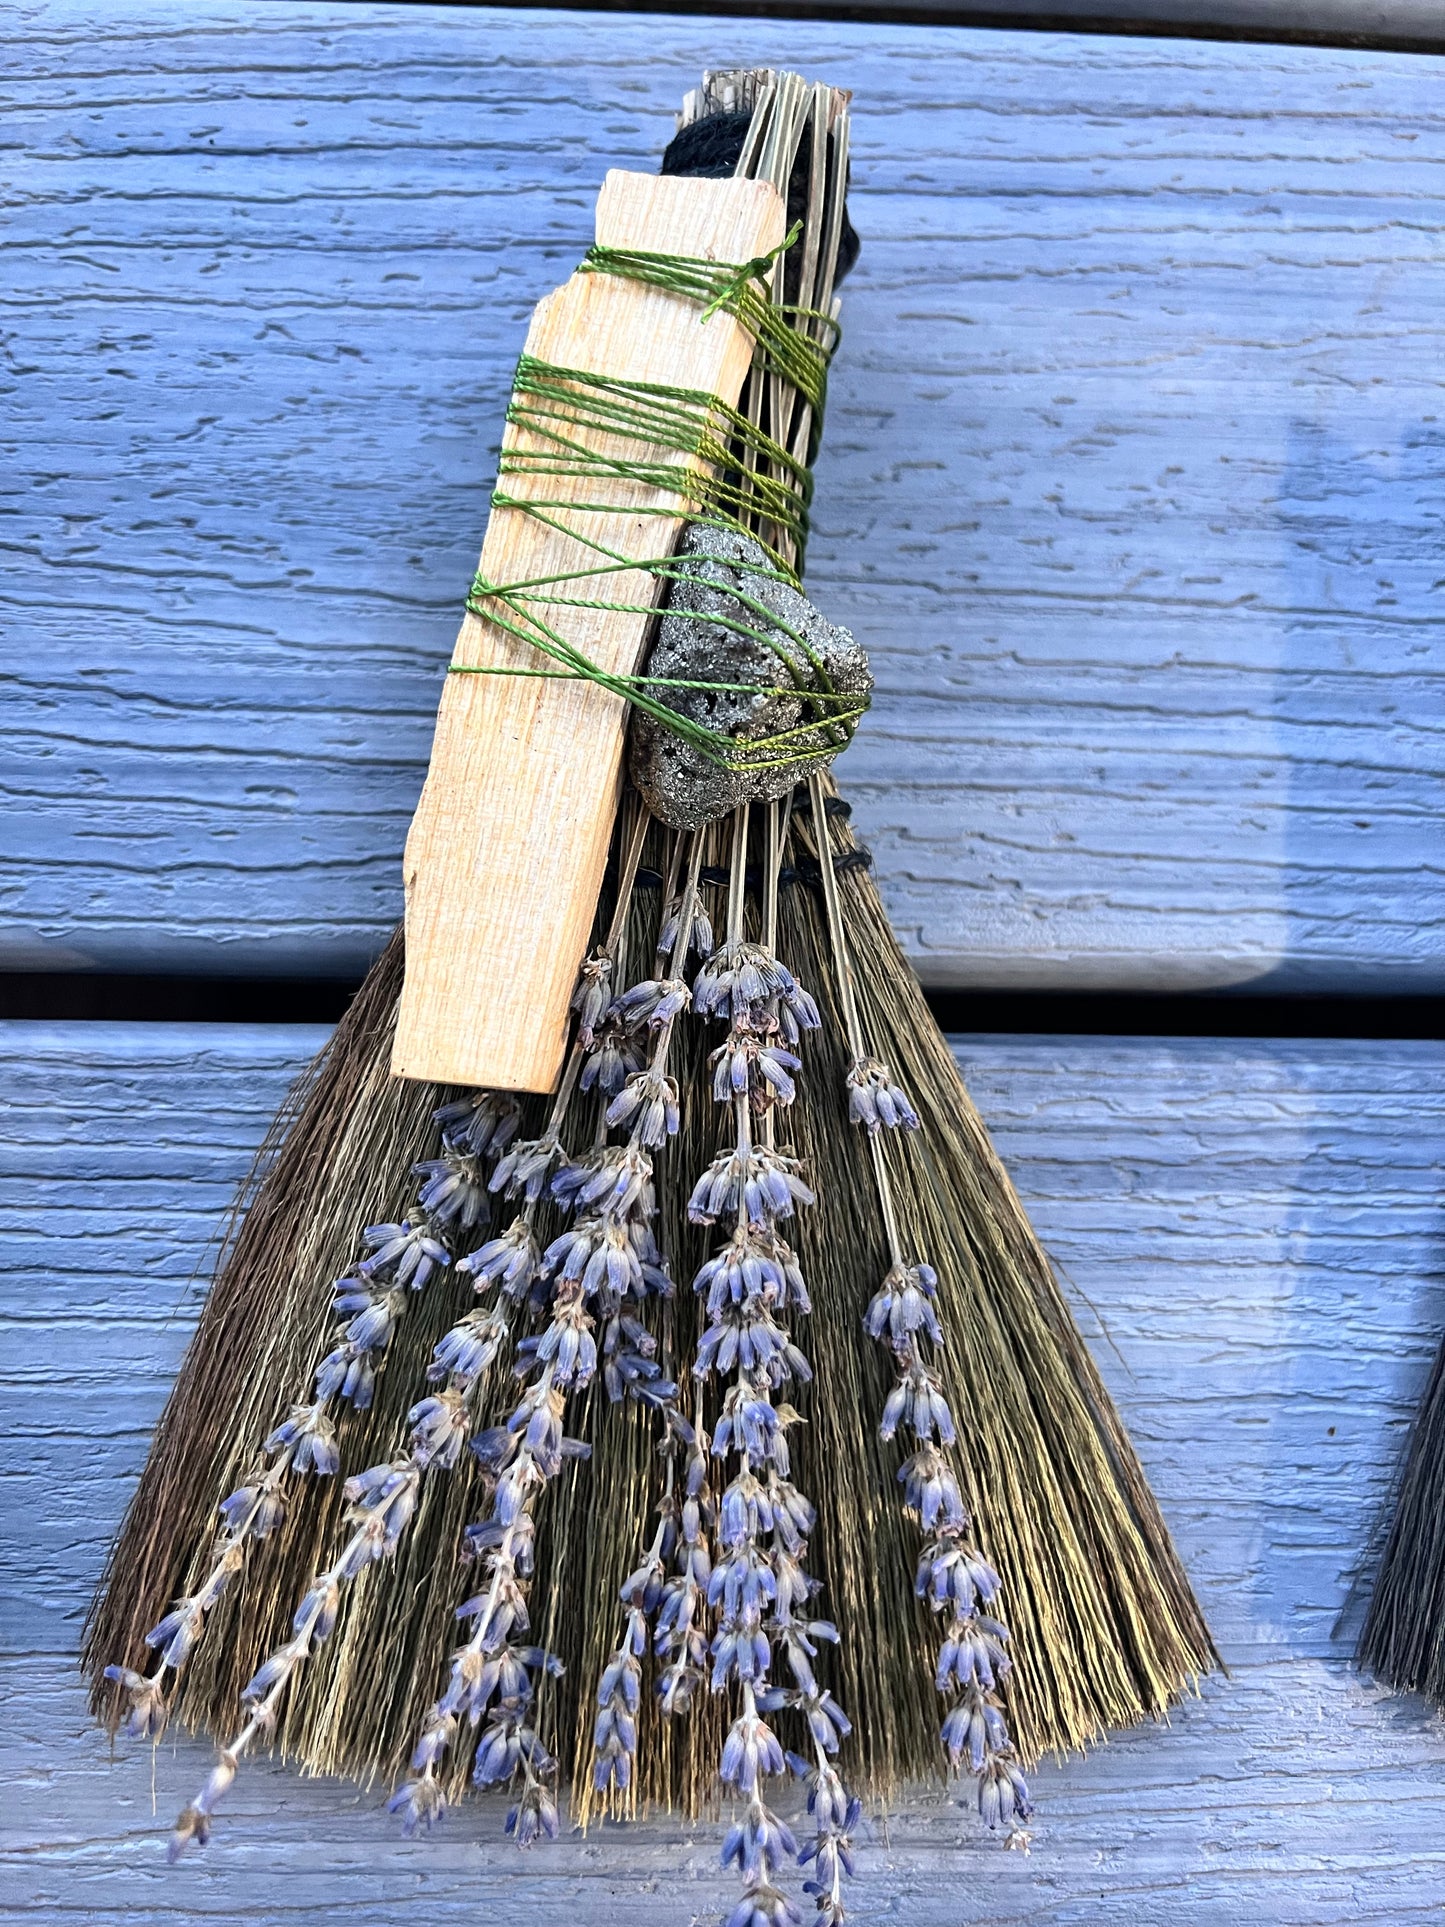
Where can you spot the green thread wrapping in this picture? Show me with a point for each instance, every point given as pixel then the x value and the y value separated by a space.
pixel 750 482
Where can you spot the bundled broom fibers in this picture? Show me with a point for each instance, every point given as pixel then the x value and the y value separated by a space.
pixel 1403 1641
pixel 1105 1628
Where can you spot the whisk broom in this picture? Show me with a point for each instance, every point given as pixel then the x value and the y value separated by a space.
pixel 353 1592
pixel 1403 1638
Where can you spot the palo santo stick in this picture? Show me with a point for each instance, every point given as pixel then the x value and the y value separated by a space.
pixel 505 856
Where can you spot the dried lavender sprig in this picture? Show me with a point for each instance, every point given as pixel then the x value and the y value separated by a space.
pixel 381 1503
pixel 681 1539
pixel 397 1258
pixel 656 1006
pixel 874 1096
pixel 382 1500
pixel 763 1523
pixel 490 1667
pixel 952 1574
pixel 589 1273
pixel 756 1579
pixel 833 1810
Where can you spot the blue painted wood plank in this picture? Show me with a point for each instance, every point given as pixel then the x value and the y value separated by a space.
pixel 1255 1230
pixel 1132 481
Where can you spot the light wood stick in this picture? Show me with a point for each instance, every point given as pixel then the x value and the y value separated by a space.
pixel 506 853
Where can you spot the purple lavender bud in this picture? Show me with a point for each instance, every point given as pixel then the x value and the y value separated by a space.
pixel 270 1674
pixel 614 1058
pixel 469 1348
pixel 592 996
pixel 654 1003
pixel 483 1124
pixel 700 937
pixel 454 1191
pixel 875 1100
pixel 253 1511
pixel 310 1437
pixel 439 1427
pixel 177 1633
pixel 421 1803
pixel 511 1261
pixel 526 1168
pixel 147 1711
pixel 1003 1793
pixel 316 1615
pixel 533 1815
pixel 931 1488
pixel 407 1254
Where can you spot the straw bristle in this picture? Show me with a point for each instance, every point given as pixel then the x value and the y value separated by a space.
pixel 1403 1641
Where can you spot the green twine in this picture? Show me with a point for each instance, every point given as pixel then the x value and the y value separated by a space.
pixel 776 326
pixel 748 481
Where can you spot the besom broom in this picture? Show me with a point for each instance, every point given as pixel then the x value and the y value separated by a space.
pixel 1403 1638
pixel 725 1363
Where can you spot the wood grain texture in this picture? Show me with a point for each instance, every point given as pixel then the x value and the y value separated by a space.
pixel 1131 485
pixel 1257 1226
pixel 505 855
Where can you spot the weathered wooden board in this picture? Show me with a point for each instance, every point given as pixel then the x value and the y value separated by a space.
pixel 1257 1226
pixel 1132 481
pixel 1415 23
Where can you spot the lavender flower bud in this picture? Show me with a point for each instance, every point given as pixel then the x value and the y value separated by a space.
pixel 469 1348
pixel 904 1305
pixel 316 1615
pixel 272 1673
pixel 568 1345
pixel 614 1058
pixel 216 1787
pixel 1003 1793
pixel 511 1261
pixel 875 1101
pixel 765 1906
pixel 526 1167
pixel 759 1839
pixel 751 1751
pixel 386 1495
pixel 744 978
pixel 310 1437
pixel 439 1427
pixel 613 1181
pixel 700 937
pixel 253 1511
pixel 931 1488
pixel 767 1183
pixel 973 1729
pixel 753 1064
pixel 649 1103
pixel 177 1633
pixel 951 1574
pixel 455 1191
pixel 974 1652
pixel 653 1003
pixel 408 1254
pixel 421 1803
pixel 147 1712
pixel 535 1813
pixel 374 1315
pixel 592 996
pixel 483 1124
